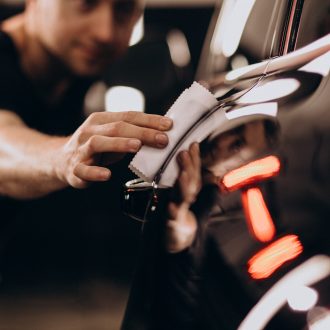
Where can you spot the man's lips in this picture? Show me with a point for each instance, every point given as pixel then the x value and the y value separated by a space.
pixel 93 53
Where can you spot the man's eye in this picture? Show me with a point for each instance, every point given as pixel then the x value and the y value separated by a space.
pixel 86 4
pixel 237 145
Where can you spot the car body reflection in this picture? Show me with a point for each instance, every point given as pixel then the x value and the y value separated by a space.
pixel 264 238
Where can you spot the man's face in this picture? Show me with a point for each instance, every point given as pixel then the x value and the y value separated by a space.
pixel 232 149
pixel 86 35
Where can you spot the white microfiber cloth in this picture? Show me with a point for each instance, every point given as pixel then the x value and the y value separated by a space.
pixel 191 105
pixel 187 109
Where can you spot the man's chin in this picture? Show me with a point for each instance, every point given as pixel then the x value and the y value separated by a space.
pixel 88 70
pixel 85 64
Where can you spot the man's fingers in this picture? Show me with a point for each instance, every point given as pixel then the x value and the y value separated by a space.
pixel 91 173
pixel 195 155
pixel 103 144
pixel 188 187
pixel 190 175
pixel 187 163
pixel 132 117
pixel 184 160
pixel 112 135
pixel 147 136
pixel 172 210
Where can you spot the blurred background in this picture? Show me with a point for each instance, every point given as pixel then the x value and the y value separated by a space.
pixel 77 275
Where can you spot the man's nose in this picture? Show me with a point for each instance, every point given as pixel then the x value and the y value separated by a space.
pixel 104 25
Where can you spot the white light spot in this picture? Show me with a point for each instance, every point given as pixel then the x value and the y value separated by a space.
pixel 138 32
pixel 222 22
pixel 253 69
pixel 235 26
pixel 178 47
pixel 123 98
pixel 270 91
pixel 95 98
pixel 238 61
pixel 319 65
pixel 267 109
pixel 302 298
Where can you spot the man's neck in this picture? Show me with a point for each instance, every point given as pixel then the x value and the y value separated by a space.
pixel 48 76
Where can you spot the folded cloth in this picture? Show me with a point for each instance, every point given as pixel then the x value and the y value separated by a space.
pixel 195 105
pixel 187 109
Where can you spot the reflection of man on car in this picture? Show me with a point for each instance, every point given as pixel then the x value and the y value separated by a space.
pixel 180 280
pixel 219 155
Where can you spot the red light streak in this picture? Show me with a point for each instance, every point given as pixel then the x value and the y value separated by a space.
pixel 255 171
pixel 257 215
pixel 271 258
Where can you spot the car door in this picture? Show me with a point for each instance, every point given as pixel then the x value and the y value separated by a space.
pixel 267 228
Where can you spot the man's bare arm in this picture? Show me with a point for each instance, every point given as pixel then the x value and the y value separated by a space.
pixel 33 164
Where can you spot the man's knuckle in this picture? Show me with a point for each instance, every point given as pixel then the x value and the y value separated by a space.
pixel 92 143
pixel 115 128
pixel 147 135
pixel 82 135
pixel 129 116
pixel 92 117
pixel 80 184
pixel 111 130
pixel 75 170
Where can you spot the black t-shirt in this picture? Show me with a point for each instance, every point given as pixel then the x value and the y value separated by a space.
pixel 18 94
pixel 51 237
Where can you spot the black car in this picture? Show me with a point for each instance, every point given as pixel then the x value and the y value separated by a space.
pixel 261 256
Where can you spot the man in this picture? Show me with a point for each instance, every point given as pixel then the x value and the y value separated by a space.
pixel 57 41
pixel 49 56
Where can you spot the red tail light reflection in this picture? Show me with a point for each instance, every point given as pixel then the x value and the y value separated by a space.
pixel 255 171
pixel 257 215
pixel 269 259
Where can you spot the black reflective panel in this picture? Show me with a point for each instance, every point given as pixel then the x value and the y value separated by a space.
pixel 296 199
pixel 262 213
pixel 314 23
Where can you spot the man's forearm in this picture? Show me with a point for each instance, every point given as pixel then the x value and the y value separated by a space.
pixel 33 164
pixel 28 162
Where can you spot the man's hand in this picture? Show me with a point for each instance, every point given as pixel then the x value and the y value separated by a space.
pixel 34 164
pixel 181 227
pixel 105 138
